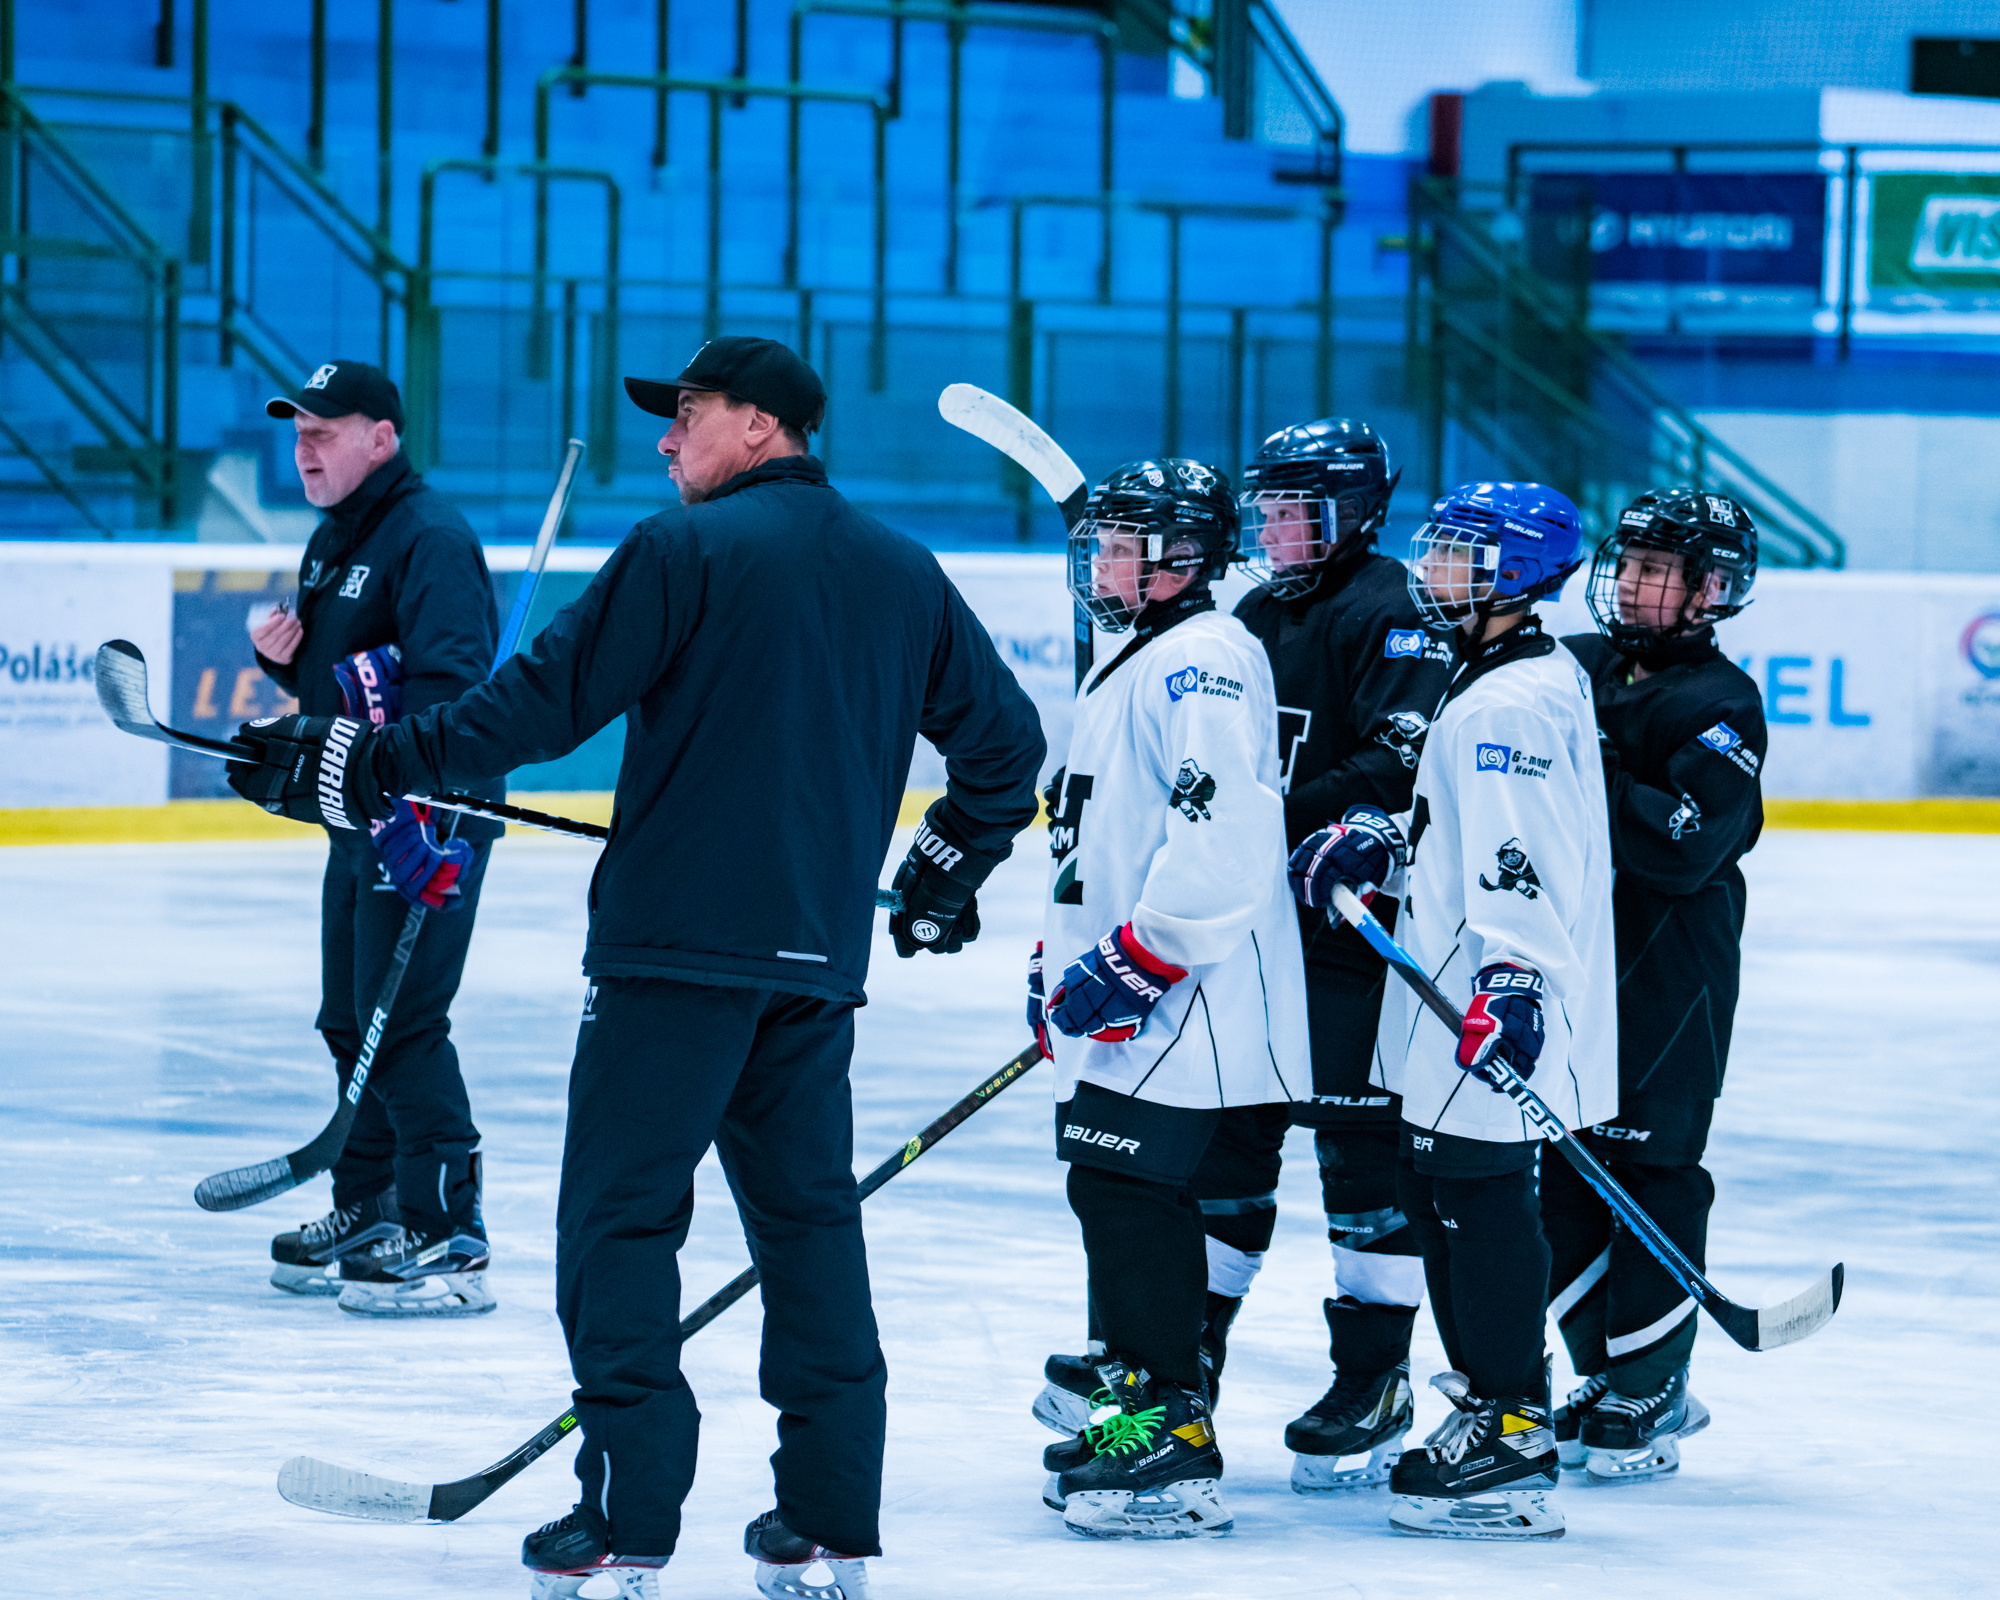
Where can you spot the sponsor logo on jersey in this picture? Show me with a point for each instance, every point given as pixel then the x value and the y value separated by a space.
pixel 1192 680
pixel 1293 726
pixel 1491 757
pixel 1686 820
pixel 356 577
pixel 324 376
pixel 1193 789
pixel 1076 1133
pixel 1605 1130
pixel 1517 872
pixel 1980 644
pixel 1405 736
pixel 1726 741
pixel 1183 683
pixel 1505 758
pixel 1404 642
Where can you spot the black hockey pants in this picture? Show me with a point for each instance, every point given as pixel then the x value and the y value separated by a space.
pixel 663 1070
pixel 413 1127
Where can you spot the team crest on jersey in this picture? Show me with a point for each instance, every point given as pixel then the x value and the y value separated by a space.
pixel 1193 789
pixel 356 577
pixel 1725 741
pixel 1686 820
pixel 1405 736
pixel 1517 872
pixel 1183 683
pixel 1293 726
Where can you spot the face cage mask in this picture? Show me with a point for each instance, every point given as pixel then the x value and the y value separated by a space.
pixel 1090 543
pixel 1452 572
pixel 1698 575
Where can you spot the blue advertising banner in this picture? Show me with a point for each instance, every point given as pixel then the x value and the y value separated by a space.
pixel 1685 227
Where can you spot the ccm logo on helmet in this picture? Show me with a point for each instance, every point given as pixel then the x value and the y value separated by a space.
pixel 1081 1135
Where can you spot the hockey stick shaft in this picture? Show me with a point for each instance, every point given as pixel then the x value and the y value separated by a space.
pixel 321 1486
pixel 1741 1323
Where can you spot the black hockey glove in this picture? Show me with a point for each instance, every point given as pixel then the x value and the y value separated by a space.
pixel 311 769
pixel 938 881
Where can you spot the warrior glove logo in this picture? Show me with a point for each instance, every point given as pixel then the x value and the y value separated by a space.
pixel 333 772
pixel 1193 790
pixel 1517 872
pixel 943 856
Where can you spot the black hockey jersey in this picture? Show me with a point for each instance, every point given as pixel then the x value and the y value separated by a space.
pixel 1683 764
pixel 1358 677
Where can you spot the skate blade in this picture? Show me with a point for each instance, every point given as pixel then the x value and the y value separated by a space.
pixel 1508 1514
pixel 1572 1453
pixel 844 1580
pixel 310 1281
pixel 1052 1495
pixel 1190 1509
pixel 1325 1475
pixel 1660 1459
pixel 612 1583
pixel 1066 1413
pixel 446 1294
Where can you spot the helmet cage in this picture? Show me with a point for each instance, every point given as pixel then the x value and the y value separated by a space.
pixel 1288 564
pixel 1717 570
pixel 1452 574
pixel 1156 551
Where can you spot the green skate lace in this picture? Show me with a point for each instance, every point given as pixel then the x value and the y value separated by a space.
pixel 1128 1431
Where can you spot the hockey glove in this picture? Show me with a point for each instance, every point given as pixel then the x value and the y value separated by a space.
pixel 1361 851
pixel 1036 1020
pixel 311 769
pixel 1504 1019
pixel 424 870
pixel 937 881
pixel 371 685
pixel 1107 993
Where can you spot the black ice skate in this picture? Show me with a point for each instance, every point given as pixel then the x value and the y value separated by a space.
pixel 303 1260
pixel 1635 1438
pixel 788 1564
pixel 1072 1391
pixel 1367 1411
pixel 1568 1418
pixel 1488 1473
pixel 1154 1471
pixel 1218 1313
pixel 573 1551
pixel 423 1275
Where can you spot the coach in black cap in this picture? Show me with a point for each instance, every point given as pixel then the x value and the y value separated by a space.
pixel 393 587
pixel 776 654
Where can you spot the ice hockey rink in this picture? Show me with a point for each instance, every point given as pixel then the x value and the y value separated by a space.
pixel 155 1025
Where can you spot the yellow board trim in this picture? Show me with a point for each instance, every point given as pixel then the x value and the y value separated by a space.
pixel 1887 816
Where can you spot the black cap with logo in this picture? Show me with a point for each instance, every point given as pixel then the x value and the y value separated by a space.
pixel 340 389
pixel 762 371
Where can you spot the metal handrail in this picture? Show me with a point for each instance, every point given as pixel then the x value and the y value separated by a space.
pixel 1300 75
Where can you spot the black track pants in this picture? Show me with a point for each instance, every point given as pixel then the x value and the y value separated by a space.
pixel 1148 1269
pixel 1616 1306
pixel 1487 1268
pixel 414 1125
pixel 663 1070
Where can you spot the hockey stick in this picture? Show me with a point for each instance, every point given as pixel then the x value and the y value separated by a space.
pixel 988 417
pixel 248 1186
pixel 343 1492
pixel 1754 1329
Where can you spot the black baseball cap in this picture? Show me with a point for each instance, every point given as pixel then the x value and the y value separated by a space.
pixel 340 389
pixel 762 371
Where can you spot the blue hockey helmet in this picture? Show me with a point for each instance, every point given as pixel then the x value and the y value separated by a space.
pixel 1493 548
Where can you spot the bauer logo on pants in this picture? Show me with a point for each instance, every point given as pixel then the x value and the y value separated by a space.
pixel 1110 1141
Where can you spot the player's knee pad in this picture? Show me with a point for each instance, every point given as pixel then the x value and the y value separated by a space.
pixel 1238 1233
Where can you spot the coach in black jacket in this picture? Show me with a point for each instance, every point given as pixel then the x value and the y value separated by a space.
pixel 392 564
pixel 777 654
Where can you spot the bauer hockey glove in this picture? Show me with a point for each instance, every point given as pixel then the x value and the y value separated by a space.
pixel 1504 1019
pixel 371 685
pixel 1108 992
pixel 1361 850
pixel 311 769
pixel 938 881
pixel 1037 1020
pixel 423 869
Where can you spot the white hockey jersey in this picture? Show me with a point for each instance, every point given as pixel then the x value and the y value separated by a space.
pixel 1510 861
pixel 1170 818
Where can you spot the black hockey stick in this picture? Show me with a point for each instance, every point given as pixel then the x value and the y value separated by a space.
pixel 248 1186
pixel 1015 435
pixel 343 1492
pixel 1750 1327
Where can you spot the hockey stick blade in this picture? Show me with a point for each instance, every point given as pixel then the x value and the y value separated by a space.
pixel 1751 1328
pixel 988 417
pixel 342 1492
pixel 120 674
pixel 252 1186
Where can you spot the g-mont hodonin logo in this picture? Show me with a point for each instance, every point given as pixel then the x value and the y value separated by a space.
pixel 1980 644
pixel 1403 642
pixel 1183 683
pixel 1491 757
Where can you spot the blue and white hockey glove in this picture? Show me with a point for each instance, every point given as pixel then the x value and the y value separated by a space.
pixel 1108 992
pixel 1504 1019
pixel 371 684
pixel 424 870
pixel 1036 1004
pixel 1360 850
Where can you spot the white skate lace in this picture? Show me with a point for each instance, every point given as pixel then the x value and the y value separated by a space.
pixel 1627 1405
pixel 330 1227
pixel 1587 1394
pixel 1454 1436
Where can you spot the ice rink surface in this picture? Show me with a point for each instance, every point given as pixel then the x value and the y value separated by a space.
pixel 155 1025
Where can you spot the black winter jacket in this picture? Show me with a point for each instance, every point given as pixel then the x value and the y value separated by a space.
pixel 396 563
pixel 778 653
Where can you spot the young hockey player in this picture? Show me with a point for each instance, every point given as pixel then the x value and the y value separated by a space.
pixel 1507 901
pixel 1176 989
pixel 1683 745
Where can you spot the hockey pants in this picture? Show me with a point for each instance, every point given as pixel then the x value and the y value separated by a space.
pixel 413 1127
pixel 663 1070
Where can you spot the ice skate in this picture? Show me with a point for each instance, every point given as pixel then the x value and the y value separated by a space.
pixel 417 1275
pixel 303 1261
pixel 1220 1311
pixel 1635 1439
pixel 1072 1391
pixel 1568 1418
pixel 792 1567
pixel 1489 1472
pixel 1351 1436
pixel 572 1552
pixel 1154 1471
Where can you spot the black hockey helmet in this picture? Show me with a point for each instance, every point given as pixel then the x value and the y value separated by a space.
pixel 1167 516
pixel 1312 491
pixel 1653 601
